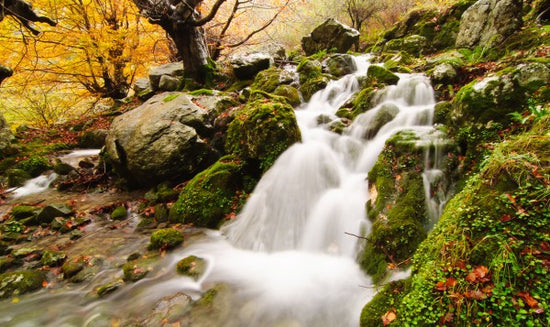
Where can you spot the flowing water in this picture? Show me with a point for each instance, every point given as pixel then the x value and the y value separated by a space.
pixel 288 258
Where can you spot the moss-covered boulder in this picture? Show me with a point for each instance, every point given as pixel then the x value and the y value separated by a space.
pixel 20 282
pixel 166 238
pixel 397 204
pixel 49 212
pixel 290 93
pixel 62 168
pixel 330 35
pixel 120 213
pixel 73 266
pixel 361 103
pixel 191 266
pixel 309 69
pixel 109 287
pixel 160 194
pixel 138 269
pixel 383 305
pixel 20 212
pixel 262 130
pixel 312 86
pixel 269 79
pixel 212 194
pixel 17 177
pixel 53 258
pixel 34 165
pixel 381 75
pixel 414 45
pixel 339 65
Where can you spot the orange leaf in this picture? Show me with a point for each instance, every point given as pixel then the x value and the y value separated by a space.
pixel 388 317
pixel 531 302
pixel 451 282
pixel 505 218
pixel 440 286
pixel 475 295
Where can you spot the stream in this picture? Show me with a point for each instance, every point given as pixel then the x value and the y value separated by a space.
pixel 289 259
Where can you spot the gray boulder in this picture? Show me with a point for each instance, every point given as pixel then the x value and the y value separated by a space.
pixel 159 140
pixel 169 83
pixel 247 66
pixel 489 22
pixel 6 137
pixel 339 65
pixel 174 69
pixel 331 34
pixel 142 84
pixel 443 73
pixel 532 76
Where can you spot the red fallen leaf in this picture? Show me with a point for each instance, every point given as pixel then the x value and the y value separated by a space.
pixel 461 265
pixel 388 317
pixel 471 277
pixel 440 286
pixel 488 289
pixel 448 317
pixel 505 218
pixel 511 198
pixel 451 282
pixel 475 295
pixel 545 246
pixel 531 302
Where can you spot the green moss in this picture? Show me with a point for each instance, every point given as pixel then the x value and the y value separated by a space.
pixel 166 238
pixel 210 195
pixel 309 69
pixel 384 301
pixel 171 97
pixel 485 250
pixel 23 211
pixel 160 194
pixel 120 213
pixel 312 86
pixel 290 93
pixel 109 288
pixel 373 262
pixel 17 177
pixel 267 80
pixel 35 165
pixel 262 130
pixel 72 267
pixel 53 258
pixel 381 75
pixel 138 269
pixel 202 92
pixel 191 266
pixel 20 282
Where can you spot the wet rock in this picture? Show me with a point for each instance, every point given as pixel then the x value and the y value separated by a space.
pixel 30 253
pixel 268 80
pixel 167 238
pixel 86 164
pixel 161 212
pixel 161 193
pixel 137 269
pixel 247 66
pixel 169 310
pixel 120 213
pixel 174 69
pixel 110 287
pixel 489 22
pixel 331 34
pixel 532 76
pixel 339 65
pixel 8 262
pixel 62 168
pixel 191 266
pixel 290 93
pixel 23 211
pixel 20 282
pixel 48 213
pixel 73 266
pixel 75 234
pixel 159 140
pixel 381 75
pixel 53 258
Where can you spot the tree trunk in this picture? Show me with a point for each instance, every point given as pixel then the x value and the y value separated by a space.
pixel 192 48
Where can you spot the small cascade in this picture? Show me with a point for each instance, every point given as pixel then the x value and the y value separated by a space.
pixel 32 186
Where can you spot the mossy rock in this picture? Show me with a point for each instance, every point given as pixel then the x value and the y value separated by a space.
pixel 161 212
pixel 29 253
pixel 262 130
pixel 20 282
pixel 191 266
pixel 361 103
pixel 166 238
pixel 49 212
pixel 210 195
pixel 120 213
pixel 414 45
pixel 340 64
pixel 138 269
pixel 73 266
pixel 267 80
pixel 23 211
pixel 53 258
pixel 383 302
pixel 62 168
pixel 290 93
pixel 160 194
pixel 381 75
pixel 17 177
pixel 35 165
pixel 109 288
pixel 309 69
pixel 312 86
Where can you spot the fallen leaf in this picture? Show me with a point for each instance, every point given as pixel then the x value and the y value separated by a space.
pixel 505 218
pixel 531 301
pixel 451 282
pixel 388 317
pixel 475 295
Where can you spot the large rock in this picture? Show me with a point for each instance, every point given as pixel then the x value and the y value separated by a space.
pixel 173 69
pixel 159 140
pixel 489 22
pixel 331 34
pixel 339 65
pixel 247 66
pixel 5 136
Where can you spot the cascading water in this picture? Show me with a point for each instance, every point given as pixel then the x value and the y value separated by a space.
pixel 288 258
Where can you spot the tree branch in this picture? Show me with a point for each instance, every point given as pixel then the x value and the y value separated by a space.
pixel 208 17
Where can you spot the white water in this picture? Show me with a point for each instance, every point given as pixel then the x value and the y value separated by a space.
pixel 288 251
pixel 43 182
